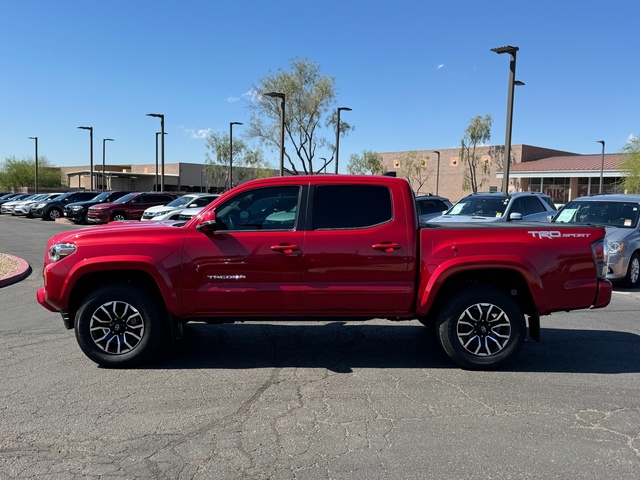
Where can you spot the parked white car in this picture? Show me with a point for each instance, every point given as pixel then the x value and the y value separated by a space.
pixel 172 210
pixel 24 207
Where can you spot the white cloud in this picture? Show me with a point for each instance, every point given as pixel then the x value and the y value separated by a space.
pixel 232 99
pixel 194 134
pixel 252 96
pixel 440 67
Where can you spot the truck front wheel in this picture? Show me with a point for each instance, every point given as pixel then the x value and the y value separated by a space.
pixel 481 328
pixel 118 326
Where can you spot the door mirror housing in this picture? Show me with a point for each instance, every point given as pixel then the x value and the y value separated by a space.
pixel 207 223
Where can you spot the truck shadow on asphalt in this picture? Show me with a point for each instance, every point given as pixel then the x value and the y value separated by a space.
pixel 340 347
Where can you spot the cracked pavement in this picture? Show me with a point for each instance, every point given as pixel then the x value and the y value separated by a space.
pixel 334 400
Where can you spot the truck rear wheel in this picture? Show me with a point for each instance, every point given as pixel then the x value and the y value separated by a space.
pixel 118 326
pixel 481 328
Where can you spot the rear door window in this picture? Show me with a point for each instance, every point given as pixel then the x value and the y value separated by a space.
pixel 351 206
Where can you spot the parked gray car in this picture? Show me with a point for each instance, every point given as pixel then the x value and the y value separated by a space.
pixel 498 207
pixel 430 206
pixel 619 215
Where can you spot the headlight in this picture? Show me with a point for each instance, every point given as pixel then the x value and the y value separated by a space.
pixel 39 205
pixel 157 214
pixel 60 250
pixel 76 208
pixel 615 247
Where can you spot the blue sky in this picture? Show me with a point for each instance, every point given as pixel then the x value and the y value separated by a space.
pixel 414 72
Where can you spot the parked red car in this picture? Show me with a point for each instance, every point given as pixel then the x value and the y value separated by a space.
pixel 129 207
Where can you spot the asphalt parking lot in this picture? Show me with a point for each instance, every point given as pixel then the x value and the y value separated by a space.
pixel 334 400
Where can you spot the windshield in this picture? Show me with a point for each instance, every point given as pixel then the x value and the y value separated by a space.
pixel 126 198
pixel 179 202
pixel 480 207
pixel 604 213
pixel 101 196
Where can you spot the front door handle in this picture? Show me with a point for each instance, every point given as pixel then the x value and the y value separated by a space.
pixel 386 246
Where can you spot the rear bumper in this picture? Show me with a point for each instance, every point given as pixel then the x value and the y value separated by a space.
pixel 603 295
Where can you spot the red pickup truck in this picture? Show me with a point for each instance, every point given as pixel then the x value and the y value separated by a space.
pixel 314 247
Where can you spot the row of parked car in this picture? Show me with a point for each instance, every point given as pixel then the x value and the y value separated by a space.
pixel 619 214
pixel 95 208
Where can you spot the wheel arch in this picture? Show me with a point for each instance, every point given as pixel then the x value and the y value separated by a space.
pixel 90 281
pixel 509 281
pixel 116 212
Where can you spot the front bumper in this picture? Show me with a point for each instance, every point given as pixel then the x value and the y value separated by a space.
pixel 75 216
pixel 97 217
pixel 617 267
pixel 41 297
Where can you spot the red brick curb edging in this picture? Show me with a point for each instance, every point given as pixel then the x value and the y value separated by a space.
pixel 23 272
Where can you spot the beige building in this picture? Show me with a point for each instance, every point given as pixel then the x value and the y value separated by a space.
pixel 562 175
pixel 177 177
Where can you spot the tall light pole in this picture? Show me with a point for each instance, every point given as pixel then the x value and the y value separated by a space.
pixel 282 97
pixel 161 117
pixel 231 124
pixel 155 187
pixel 103 162
pixel 437 171
pixel 507 141
pixel 90 155
pixel 601 167
pixel 36 140
pixel 347 109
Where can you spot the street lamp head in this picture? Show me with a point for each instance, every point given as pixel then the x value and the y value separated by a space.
pixel 275 95
pixel 236 123
pixel 108 140
pixel 601 142
pixel 518 83
pixel 437 151
pixel 347 109
pixel 157 115
pixel 86 128
pixel 33 138
pixel 505 49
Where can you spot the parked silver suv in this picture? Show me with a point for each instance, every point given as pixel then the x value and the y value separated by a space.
pixel 619 215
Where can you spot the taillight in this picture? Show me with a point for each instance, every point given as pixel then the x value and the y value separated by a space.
pixel 600 252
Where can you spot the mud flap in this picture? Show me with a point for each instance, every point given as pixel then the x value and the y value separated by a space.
pixel 534 326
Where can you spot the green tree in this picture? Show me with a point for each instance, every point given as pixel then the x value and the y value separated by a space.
pixel 415 169
pixel 309 98
pixel 478 132
pixel 631 166
pixel 367 163
pixel 21 172
pixel 247 164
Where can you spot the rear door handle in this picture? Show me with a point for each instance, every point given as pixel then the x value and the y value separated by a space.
pixel 285 248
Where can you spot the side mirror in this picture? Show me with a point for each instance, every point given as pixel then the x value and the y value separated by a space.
pixel 515 216
pixel 207 223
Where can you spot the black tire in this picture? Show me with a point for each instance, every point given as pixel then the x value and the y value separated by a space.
pixel 53 214
pixel 118 216
pixel 632 277
pixel 119 326
pixel 481 328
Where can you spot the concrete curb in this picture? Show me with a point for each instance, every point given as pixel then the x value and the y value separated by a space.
pixel 23 272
